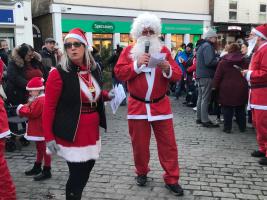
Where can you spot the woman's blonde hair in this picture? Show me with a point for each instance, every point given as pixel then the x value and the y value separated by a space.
pixel 88 60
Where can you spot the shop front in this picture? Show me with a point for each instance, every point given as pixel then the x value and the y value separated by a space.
pixel 106 35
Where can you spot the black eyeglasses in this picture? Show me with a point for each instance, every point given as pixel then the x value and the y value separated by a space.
pixel 146 32
pixel 68 45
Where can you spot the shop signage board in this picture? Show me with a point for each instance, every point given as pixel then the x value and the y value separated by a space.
pixel 125 27
pixel 103 27
pixel 6 16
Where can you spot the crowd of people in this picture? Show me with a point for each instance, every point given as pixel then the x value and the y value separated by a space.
pixel 61 95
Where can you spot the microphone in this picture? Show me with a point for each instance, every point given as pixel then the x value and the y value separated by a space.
pixel 147 44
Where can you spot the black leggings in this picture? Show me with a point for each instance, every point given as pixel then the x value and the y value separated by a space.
pixel 78 176
pixel 240 114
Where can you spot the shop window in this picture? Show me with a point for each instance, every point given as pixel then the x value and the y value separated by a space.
pixel 177 41
pixel 262 14
pixel 194 38
pixel 103 42
pixel 125 39
pixel 233 10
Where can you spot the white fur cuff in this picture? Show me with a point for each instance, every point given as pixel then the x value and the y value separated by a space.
pixel 248 74
pixel 18 108
pixel 137 69
pixel 167 76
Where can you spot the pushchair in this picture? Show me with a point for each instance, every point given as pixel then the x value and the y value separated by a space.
pixel 17 126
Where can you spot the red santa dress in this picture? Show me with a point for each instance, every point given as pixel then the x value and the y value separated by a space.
pixel 7 188
pixel 150 86
pixel 257 77
pixel 87 144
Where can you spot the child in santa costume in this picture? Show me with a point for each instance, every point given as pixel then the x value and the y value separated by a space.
pixel 33 111
pixel 256 75
pixel 74 110
pixel 149 107
pixel 7 188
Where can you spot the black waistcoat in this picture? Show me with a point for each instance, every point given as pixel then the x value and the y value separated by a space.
pixel 69 104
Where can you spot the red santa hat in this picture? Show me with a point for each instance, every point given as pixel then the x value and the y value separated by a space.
pixel 261 31
pixel 145 20
pixel 36 83
pixel 78 34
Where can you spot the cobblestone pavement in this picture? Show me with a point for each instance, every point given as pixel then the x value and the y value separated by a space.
pixel 214 165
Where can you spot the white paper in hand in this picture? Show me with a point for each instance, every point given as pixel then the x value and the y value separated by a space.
pixel 119 97
pixel 155 59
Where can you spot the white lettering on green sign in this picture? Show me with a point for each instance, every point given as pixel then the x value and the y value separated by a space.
pixel 103 27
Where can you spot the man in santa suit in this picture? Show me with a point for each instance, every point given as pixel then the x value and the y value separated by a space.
pixel 7 188
pixel 256 75
pixel 148 105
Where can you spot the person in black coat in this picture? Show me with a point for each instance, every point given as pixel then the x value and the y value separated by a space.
pixel 24 65
pixel 232 87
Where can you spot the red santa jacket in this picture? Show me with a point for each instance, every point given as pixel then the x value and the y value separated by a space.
pixel 257 77
pixel 33 111
pixel 4 129
pixel 147 85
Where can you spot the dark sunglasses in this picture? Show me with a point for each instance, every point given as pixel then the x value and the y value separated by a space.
pixel 68 45
pixel 146 32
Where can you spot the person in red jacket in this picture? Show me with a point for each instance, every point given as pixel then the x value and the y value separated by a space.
pixel 256 75
pixel 7 187
pixel 149 106
pixel 74 110
pixel 33 111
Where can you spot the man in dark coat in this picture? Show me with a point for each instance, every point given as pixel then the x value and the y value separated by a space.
pixel 206 66
pixel 50 54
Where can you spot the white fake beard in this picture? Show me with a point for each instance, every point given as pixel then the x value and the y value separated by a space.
pixel 139 48
pixel 251 45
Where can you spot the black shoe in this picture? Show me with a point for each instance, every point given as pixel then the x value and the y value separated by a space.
pixel 46 174
pixel 191 105
pixel 242 130
pixel 141 180
pixel 24 142
pixel 257 154
pixel 209 124
pixel 176 189
pixel 227 131
pixel 263 161
pixel 198 121
pixel 35 170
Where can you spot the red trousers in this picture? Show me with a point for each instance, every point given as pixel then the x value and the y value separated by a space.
pixel 41 154
pixel 7 188
pixel 259 118
pixel 140 132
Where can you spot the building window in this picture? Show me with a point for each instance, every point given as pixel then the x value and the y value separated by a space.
pixel 177 41
pixel 125 39
pixel 262 15
pixel 232 10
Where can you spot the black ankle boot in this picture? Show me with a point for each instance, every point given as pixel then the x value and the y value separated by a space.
pixel 35 170
pixel 46 174
pixel 73 196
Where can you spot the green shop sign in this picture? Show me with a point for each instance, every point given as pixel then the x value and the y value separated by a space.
pixel 125 27
pixel 103 27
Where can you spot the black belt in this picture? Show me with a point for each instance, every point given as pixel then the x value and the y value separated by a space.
pixel 88 107
pixel 145 101
pixel 258 86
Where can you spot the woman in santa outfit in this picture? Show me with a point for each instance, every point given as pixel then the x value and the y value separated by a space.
pixel 74 110
pixel 7 188
pixel 33 111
